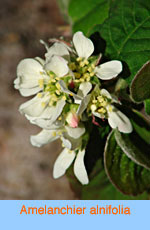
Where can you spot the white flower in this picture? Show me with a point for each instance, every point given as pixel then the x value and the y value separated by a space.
pixel 65 159
pixel 34 77
pixel 79 57
pixel 84 48
pixel 102 107
pixel 71 138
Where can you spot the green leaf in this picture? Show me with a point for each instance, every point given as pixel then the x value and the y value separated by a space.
pixel 87 13
pixel 147 106
pixel 140 86
pixel 127 176
pixel 127 33
pixel 99 188
pixel 134 147
pixel 140 125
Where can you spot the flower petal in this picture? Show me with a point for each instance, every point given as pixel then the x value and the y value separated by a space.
pixel 79 168
pixel 28 92
pixel 75 132
pixel 34 107
pixel 83 45
pixel 48 116
pixel 44 137
pixel 70 142
pixel 58 65
pixel 84 89
pixel 108 70
pixel 83 104
pixel 28 73
pixel 105 93
pixel 63 162
pixel 57 49
pixel 119 120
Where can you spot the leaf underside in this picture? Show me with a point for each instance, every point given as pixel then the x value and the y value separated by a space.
pixel 140 86
pixel 128 177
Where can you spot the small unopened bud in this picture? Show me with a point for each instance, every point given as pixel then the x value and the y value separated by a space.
pixel 72 120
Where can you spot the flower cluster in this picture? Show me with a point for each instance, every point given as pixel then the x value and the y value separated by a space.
pixel 67 85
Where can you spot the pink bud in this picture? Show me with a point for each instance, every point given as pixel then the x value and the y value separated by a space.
pixel 72 120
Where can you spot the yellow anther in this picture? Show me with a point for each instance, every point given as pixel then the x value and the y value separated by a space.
pixel 41 83
pixel 104 103
pixel 57 78
pixel 93 66
pixel 58 86
pixel 53 80
pixel 63 146
pixel 58 92
pixel 93 108
pixel 86 75
pixel 82 64
pixel 39 95
pixel 71 94
pixel 90 69
pixel 102 110
pixel 82 80
pixel 54 134
pixel 77 75
pixel 88 78
pixel 69 151
pixel 79 59
pixel 60 118
pixel 86 62
pixel 92 74
pixel 43 104
pixel 94 101
pixel 110 108
pixel 100 98
pixel 64 98
pixel 41 72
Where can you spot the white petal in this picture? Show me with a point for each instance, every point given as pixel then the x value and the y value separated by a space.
pixel 44 137
pixel 67 143
pixel 57 49
pixel 70 142
pixel 40 60
pixel 83 104
pixel 28 92
pixel 119 120
pixel 29 72
pixel 98 115
pixel 63 162
pixel 83 45
pixel 79 168
pixel 48 116
pixel 84 89
pixel 105 93
pixel 108 70
pixel 75 132
pixel 34 107
pixel 58 65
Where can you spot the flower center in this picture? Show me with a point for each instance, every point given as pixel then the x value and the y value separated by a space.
pixel 52 87
pixel 100 104
pixel 83 69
